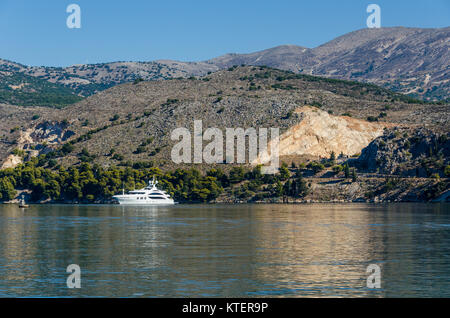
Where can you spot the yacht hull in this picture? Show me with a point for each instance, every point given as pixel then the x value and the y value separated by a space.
pixel 124 200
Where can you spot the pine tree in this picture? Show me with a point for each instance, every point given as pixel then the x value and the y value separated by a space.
pixel 293 190
pixel 301 188
pixel 278 189
pixel 347 171
pixel 353 175
pixel 332 156
pixel 7 191
pixel 286 190
pixel 284 172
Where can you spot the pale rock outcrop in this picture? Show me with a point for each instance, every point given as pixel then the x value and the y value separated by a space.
pixel 11 162
pixel 319 134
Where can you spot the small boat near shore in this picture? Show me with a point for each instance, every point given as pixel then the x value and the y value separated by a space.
pixel 149 195
pixel 22 203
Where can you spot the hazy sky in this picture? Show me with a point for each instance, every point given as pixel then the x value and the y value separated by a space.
pixel 34 32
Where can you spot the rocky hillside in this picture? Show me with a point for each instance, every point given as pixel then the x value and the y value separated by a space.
pixel 407 60
pixel 131 123
pixel 84 80
pixel 18 88
pixel 407 152
pixel 342 141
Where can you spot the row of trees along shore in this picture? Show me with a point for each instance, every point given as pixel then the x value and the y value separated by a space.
pixel 93 183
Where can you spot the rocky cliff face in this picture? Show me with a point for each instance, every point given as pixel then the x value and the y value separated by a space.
pixel 35 140
pixel 319 134
pixel 407 152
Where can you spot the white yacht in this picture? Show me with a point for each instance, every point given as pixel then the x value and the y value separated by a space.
pixel 149 195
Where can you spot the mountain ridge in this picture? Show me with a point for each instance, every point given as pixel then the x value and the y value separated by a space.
pixel 413 61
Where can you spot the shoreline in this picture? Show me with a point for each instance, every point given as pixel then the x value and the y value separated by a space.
pixel 310 202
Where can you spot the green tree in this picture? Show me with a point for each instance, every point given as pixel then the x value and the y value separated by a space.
pixel 301 189
pixel 337 169
pixel 287 187
pixel 38 189
pixel 7 191
pixel 237 174
pixel 332 156
pixel 66 148
pixel 316 166
pixel 346 171
pixel 447 171
pixel 52 190
pixel 278 189
pixel 284 172
pixel 354 175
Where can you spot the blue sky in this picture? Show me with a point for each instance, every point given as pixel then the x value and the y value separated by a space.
pixel 34 32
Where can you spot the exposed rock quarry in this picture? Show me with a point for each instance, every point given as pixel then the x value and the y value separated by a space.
pixel 319 134
pixel 51 133
pixel 13 160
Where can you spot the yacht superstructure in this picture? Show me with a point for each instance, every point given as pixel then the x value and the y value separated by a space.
pixel 150 195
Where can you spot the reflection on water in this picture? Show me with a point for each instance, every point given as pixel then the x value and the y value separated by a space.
pixel 226 251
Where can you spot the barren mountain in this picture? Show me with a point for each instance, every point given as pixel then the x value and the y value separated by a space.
pixel 408 60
